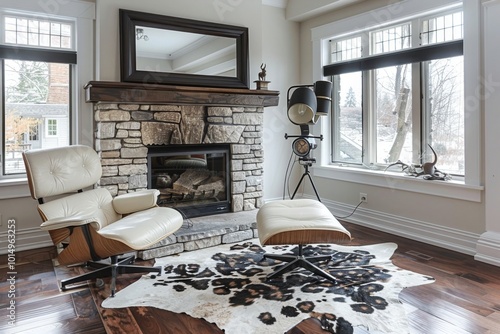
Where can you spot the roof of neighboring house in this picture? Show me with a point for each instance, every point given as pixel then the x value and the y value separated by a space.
pixel 37 110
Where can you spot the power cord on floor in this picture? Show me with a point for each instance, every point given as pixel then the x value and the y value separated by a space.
pixel 349 215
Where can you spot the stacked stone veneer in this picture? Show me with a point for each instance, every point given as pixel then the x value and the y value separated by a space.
pixel 123 132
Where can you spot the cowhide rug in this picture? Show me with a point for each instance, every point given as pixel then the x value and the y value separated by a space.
pixel 227 285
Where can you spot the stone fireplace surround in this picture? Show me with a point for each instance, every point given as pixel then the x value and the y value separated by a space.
pixel 130 117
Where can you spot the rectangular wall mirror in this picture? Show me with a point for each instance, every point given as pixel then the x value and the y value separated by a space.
pixel 160 49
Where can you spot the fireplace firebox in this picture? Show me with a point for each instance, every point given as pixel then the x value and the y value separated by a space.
pixel 194 179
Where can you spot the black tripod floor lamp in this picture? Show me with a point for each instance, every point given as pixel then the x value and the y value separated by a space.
pixel 305 106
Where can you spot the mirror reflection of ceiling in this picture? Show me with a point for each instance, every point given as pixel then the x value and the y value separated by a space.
pixel 160 50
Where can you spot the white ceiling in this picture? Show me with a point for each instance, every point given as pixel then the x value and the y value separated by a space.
pixel 301 10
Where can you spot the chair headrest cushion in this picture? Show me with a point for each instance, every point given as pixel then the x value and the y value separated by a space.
pixel 61 170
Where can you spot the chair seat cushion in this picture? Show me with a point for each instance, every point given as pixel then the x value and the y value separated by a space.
pixel 298 221
pixel 143 229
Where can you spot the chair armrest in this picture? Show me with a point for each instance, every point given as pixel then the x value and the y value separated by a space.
pixel 57 223
pixel 136 201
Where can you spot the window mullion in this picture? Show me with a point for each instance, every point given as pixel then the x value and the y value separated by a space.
pixel 418 129
pixel 368 104
pixel 416 38
pixel 418 98
pixel 369 118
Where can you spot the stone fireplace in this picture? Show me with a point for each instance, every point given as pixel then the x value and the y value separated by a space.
pixel 131 119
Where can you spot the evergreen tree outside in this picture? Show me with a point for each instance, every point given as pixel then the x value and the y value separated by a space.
pixel 26 82
pixel 350 100
pixel 29 82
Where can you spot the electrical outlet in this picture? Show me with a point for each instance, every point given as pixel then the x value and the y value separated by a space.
pixel 363 197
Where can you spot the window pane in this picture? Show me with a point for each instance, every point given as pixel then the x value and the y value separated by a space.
pixel 345 49
pixel 34 92
pixel 22 38
pixel 391 39
pixel 22 31
pixel 45 27
pixel 33 39
pixel 10 37
pixel 33 26
pixel 44 40
pixel 442 29
pixel 65 30
pixel 55 41
pixel 393 114
pixel 10 24
pixel 55 29
pixel 348 120
pixel 51 127
pixel 445 121
pixel 22 25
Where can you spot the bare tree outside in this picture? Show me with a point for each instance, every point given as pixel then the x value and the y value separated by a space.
pixel 389 130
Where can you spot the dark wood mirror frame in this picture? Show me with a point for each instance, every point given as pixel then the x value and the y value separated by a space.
pixel 129 72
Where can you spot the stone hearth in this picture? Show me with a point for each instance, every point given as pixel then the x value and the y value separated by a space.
pixel 207 231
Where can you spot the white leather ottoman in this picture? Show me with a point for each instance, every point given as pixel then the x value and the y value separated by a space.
pixel 299 222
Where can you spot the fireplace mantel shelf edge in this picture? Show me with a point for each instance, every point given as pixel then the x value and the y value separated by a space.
pixel 124 92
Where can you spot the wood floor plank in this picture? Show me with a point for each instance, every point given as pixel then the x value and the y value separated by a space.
pixel 55 311
pixel 465 298
pixel 153 320
pixel 446 307
pixel 424 323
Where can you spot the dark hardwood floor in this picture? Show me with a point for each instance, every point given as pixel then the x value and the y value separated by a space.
pixel 464 299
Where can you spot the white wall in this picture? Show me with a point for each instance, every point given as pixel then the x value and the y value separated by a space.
pixel 280 53
pixel 241 13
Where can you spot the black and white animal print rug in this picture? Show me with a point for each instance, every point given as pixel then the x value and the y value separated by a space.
pixel 227 285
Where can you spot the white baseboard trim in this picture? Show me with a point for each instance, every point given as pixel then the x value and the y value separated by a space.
pixel 488 248
pixel 484 248
pixel 445 237
pixel 26 239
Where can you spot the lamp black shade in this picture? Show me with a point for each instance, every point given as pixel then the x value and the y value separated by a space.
pixel 302 106
pixel 323 92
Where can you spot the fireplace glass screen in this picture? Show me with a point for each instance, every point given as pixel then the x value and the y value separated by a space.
pixel 192 179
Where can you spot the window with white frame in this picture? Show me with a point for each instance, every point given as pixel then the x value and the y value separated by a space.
pixel 51 127
pixel 21 30
pixel 37 58
pixel 346 49
pixel 401 94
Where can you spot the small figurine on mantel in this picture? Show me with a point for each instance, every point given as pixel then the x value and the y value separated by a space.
pixel 262 84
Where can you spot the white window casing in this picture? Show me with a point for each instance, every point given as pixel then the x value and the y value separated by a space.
pixel 469 188
pixel 82 14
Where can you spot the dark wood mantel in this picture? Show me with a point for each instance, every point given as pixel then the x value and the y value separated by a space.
pixel 124 92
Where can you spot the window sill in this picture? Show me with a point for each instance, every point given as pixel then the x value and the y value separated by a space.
pixel 14 188
pixel 451 189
